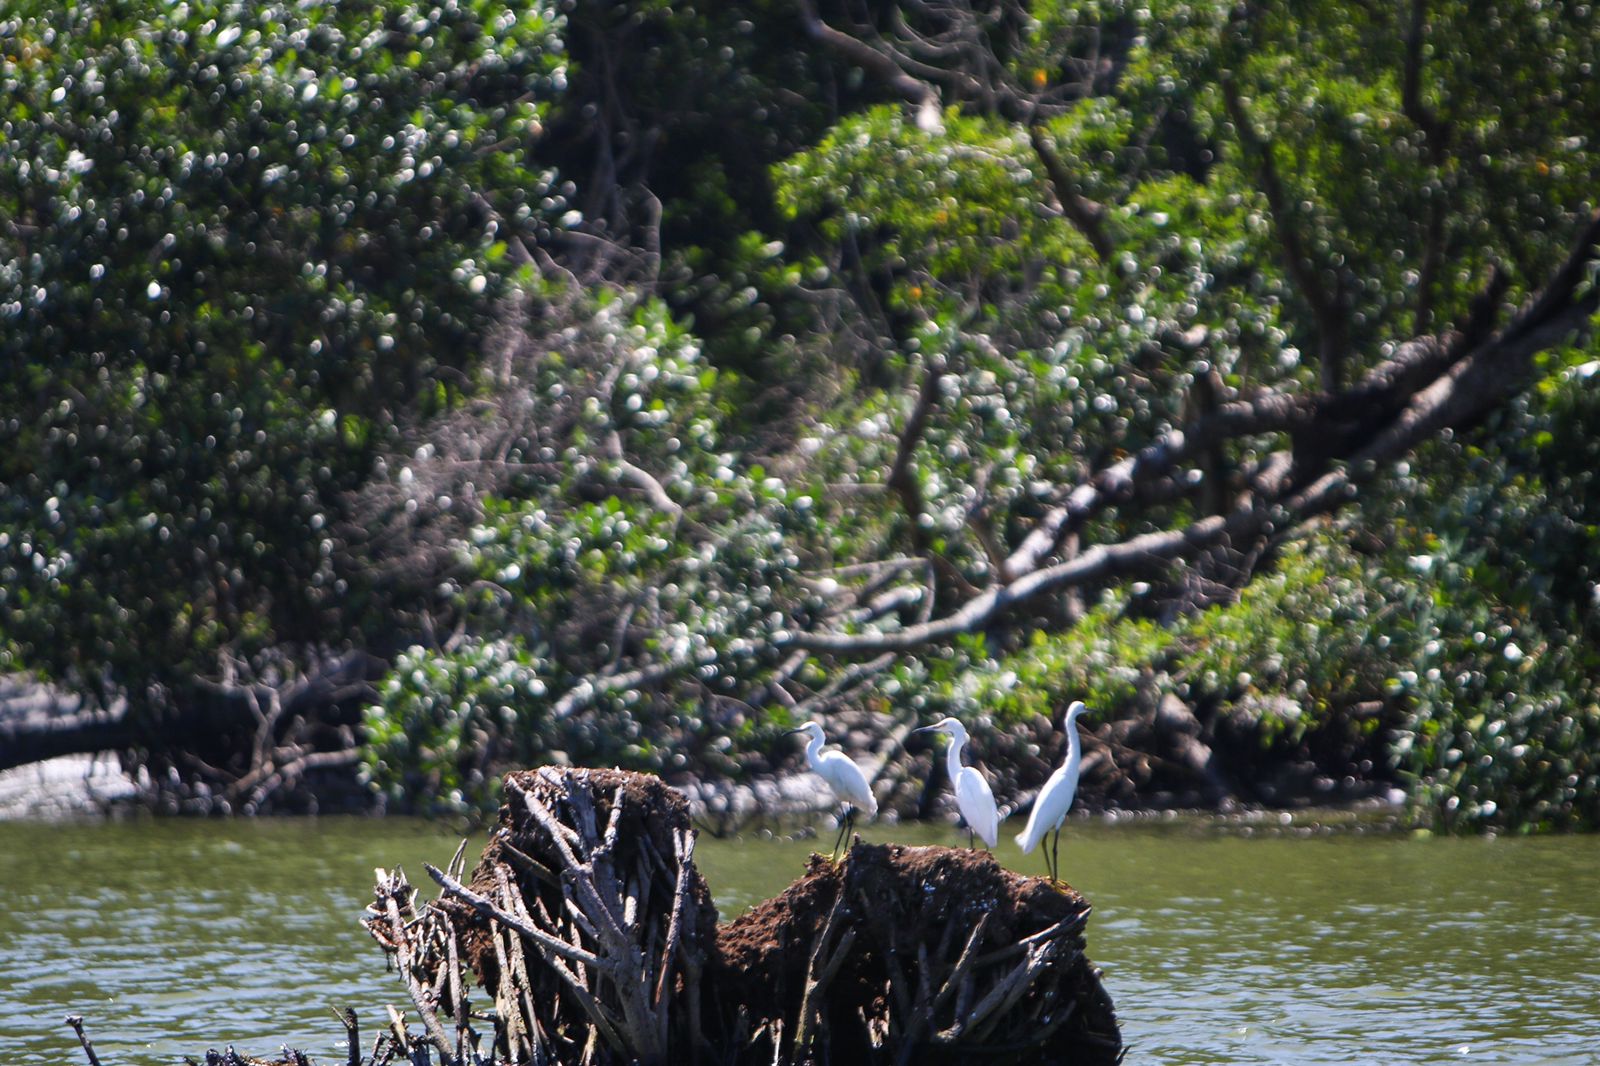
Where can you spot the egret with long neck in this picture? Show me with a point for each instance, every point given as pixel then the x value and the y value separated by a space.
pixel 1055 798
pixel 847 781
pixel 973 798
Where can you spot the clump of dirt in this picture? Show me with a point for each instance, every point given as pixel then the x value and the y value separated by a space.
pixel 925 954
pixel 767 949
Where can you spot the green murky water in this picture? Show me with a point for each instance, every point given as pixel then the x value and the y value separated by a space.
pixel 171 937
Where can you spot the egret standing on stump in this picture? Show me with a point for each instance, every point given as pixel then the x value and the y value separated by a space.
pixel 843 776
pixel 1055 798
pixel 973 797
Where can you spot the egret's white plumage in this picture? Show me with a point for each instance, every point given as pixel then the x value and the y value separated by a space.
pixel 974 799
pixel 847 780
pixel 1055 798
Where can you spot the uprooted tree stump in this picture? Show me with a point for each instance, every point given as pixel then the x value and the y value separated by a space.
pixel 589 927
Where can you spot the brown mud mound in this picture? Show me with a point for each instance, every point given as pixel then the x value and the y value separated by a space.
pixel 589 927
pixel 918 955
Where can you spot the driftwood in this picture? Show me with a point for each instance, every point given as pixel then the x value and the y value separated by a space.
pixel 595 937
pixel 585 921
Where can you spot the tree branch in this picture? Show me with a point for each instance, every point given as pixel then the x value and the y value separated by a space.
pixel 1087 215
pixel 585 692
pixel 1134 555
pixel 902 480
pixel 869 59
pixel 1459 391
pixel 1411 81
pixel 44 724
pixel 1331 331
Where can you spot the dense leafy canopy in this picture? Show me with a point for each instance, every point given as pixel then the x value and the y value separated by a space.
pixel 238 240
pixel 640 379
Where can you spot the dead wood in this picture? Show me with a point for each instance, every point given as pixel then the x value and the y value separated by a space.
pixel 595 936
pixel 586 920
pixel 591 929
pixel 76 1021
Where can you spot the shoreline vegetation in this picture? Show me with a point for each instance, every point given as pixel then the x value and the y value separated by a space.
pixel 395 395
pixel 911 786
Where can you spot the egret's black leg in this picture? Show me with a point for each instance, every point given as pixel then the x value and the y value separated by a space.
pixel 847 821
pixel 1055 854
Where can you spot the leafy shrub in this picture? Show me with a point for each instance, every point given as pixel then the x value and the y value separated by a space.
pixel 1499 620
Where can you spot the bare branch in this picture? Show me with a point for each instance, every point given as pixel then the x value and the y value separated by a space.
pixel 489 908
pixel 903 480
pixel 653 489
pixel 901 477
pixel 76 1021
pixel 391 891
pixel 1088 216
pixel 866 57
pixel 1135 555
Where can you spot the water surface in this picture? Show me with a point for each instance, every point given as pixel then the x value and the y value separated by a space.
pixel 172 937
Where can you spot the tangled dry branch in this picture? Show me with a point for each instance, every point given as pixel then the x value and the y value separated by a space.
pixel 593 932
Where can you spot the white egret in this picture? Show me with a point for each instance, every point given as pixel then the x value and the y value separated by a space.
pixel 973 797
pixel 843 776
pixel 1055 798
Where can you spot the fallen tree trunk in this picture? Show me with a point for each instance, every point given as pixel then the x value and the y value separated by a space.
pixel 40 721
pixel 589 927
pixel 239 743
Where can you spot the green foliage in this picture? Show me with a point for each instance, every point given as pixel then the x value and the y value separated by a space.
pixel 581 567
pixel 240 242
pixel 444 723
pixel 945 207
pixel 810 365
pixel 1401 201
pixel 1499 618
pixel 1399 174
